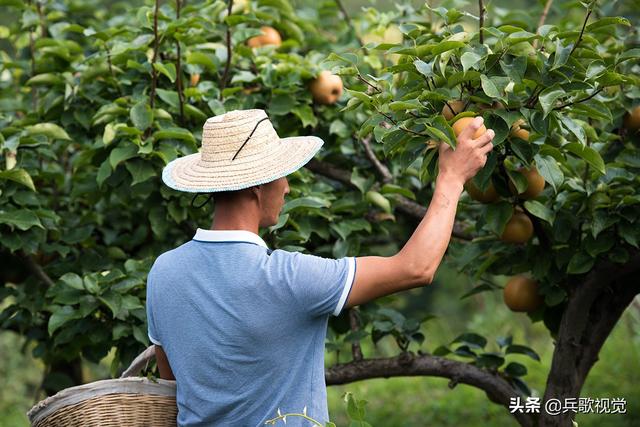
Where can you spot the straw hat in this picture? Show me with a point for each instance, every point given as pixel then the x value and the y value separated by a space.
pixel 240 149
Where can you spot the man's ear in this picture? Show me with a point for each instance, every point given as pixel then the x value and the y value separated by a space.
pixel 256 191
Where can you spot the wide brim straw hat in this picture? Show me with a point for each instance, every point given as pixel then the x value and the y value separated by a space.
pixel 240 149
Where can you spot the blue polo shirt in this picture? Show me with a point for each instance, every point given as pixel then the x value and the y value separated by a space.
pixel 244 327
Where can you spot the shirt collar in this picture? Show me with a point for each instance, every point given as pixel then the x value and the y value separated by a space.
pixel 203 235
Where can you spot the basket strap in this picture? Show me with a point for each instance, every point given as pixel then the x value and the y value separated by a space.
pixel 140 362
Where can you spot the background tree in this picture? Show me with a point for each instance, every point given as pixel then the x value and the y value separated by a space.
pixel 96 101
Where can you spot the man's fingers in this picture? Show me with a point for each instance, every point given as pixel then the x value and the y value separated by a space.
pixel 470 130
pixel 486 148
pixel 485 138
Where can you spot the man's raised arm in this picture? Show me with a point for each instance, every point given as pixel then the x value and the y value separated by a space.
pixel 416 263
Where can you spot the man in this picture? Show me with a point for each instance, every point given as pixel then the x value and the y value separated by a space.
pixel 242 327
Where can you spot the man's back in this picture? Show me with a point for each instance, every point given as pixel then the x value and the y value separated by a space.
pixel 244 327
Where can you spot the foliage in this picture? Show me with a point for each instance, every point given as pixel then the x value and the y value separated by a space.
pixel 572 95
pixel 94 103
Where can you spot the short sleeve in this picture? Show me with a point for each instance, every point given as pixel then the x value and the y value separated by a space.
pixel 151 324
pixel 319 285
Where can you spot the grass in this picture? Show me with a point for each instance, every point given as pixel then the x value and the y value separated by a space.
pixel 415 401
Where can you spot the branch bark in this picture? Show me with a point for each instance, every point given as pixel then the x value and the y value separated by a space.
pixel 404 205
pixel 497 388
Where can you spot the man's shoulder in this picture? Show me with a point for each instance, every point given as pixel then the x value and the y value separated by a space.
pixel 171 255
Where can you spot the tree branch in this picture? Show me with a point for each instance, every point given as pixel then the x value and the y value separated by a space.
pixel 405 205
pixel 497 388
pixel 36 269
pixel 584 24
pixel 579 100
pixel 356 351
pixel 387 177
pixel 543 18
pixel 179 69
pixel 227 67
pixel 156 42
pixel 481 23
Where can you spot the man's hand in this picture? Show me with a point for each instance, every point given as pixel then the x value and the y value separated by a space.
pixel 470 155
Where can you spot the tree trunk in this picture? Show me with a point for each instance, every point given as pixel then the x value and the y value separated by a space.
pixel 594 308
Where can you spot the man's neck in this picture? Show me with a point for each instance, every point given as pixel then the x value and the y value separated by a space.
pixel 236 216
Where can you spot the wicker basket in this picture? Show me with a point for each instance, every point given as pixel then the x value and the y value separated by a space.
pixel 127 401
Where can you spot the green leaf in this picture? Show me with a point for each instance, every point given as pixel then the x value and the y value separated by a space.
pixel 104 172
pixel 174 133
pixel 548 98
pixel 548 167
pixel 609 20
pixel 522 349
pixel 199 58
pixel 72 280
pixel 305 114
pixel 471 339
pixel 49 79
pixel 446 46
pixel 515 369
pixel 489 87
pixel 169 70
pixel 282 104
pixel 497 215
pixel 580 263
pixel 305 202
pixel 113 301
pixel 424 68
pixel 24 219
pixel 51 130
pixel 539 210
pixel 120 154
pixel 20 176
pixel 469 60
pixel 628 54
pixel 140 170
pixel 588 154
pixel 378 200
pixel 141 115
pixel 61 316
pixel 170 97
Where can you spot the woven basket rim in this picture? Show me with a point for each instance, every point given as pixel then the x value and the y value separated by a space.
pixel 73 395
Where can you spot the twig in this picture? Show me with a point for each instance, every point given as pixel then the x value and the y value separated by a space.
pixel 43 25
pixel 37 270
pixel 578 101
pixel 584 24
pixel 387 177
pixel 156 42
pixel 113 74
pixel 179 69
pixel 374 87
pixel 343 10
pixel 481 24
pixel 225 75
pixel 347 18
pixel 353 323
pixel 543 18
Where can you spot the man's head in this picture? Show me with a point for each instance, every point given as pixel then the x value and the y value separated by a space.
pixel 261 202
